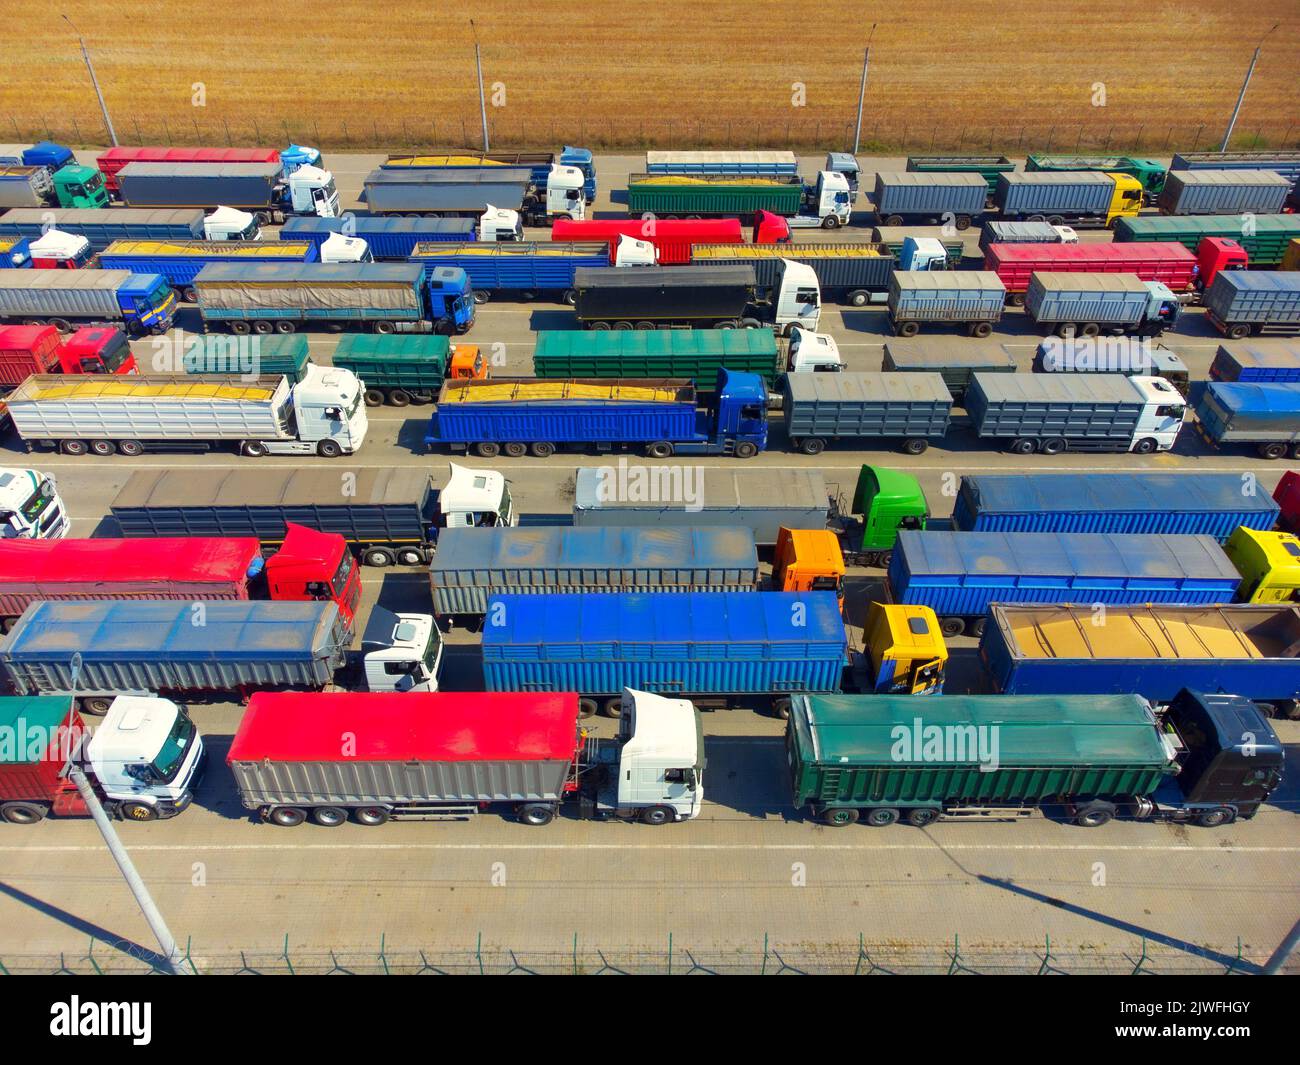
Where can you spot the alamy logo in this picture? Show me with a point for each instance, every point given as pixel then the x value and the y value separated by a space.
pixel 77 1018
pixel 680 485
pixel 953 744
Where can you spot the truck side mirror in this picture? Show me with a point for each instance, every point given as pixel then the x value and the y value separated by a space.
pixel 334 412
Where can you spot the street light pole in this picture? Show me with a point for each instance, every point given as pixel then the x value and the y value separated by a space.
pixel 482 102
pixel 1227 136
pixel 862 89
pixel 108 122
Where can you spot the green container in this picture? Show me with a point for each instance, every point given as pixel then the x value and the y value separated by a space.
pixel 1265 243
pixel 694 353
pixel 1150 173
pixel 677 194
pixel 411 362
pixel 856 751
pixel 218 353
pixel 987 166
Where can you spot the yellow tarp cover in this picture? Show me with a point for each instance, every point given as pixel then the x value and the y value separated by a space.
pixel 1145 635
pixel 448 160
pixel 779 251
pixel 707 179
pixel 97 389
pixel 233 249
pixel 502 391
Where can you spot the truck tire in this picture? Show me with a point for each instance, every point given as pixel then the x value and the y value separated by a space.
pixel 728 323
pixel 1238 332
pixel 750 323
pixel 781 707
pixel 487 449
pixel 190 294
pixel 240 329
pixel 481 297
pixel 1066 330
pixel 377 556
pixel 1094 814
pixel 881 817
pixel 329 449
pixel 399 398
pixel 1274 450
pixel 570 297
pixel 514 449
pixel 103 448
pixel 284 816
pixel 1220 815
pixel 23 813
pixel 1022 446
pixel 963 222
pixel 1055 220
pixel 981 329
pixel 746 450
pixel 329 816
pixel 915 446
pixel 587 707
pixel 1056 445
pixel 600 327
pixel 96 705
pixel 1089 329
pixel 645 327
pixel 384 328
pixel 830 222
pixel 859 297
pixel 952 626
pixel 130 448
pixel 627 326
pixel 263 328
pixel 976 627
pixel 658 815
pixel 411 556
pixel 72 447
pixel 285 327
pixel 1016 299
pixel 542 449
pixel 370 816
pixel 894 220
pixel 839 816
pixel 922 816
pixel 536 813
pixel 139 811
pixel 1145 446
pixel 374 397
pixel 62 325
pixel 254 449
pixel 812 445
pixel 612 707
pixel 660 449
pixel 907 329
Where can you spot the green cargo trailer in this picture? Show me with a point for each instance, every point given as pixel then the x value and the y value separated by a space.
pixel 987 166
pixel 1265 238
pixel 892 237
pixel 1149 172
pixel 681 195
pixel 399 369
pixel 250 356
pixel 694 353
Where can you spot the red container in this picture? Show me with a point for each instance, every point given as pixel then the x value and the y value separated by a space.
pixel 115 158
pixel 157 568
pixel 673 237
pixel 25 350
pixel 1287 496
pixel 40 779
pixel 1165 261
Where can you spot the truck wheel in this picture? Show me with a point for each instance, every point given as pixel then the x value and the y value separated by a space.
pixel 329 449
pixel 976 627
pixel 838 817
pixel 254 449
pixel 1021 447
pixel 915 446
pixel 103 447
pixel 660 449
pixel 1016 299
pixel 329 816
pixel 263 327
pixel 1066 330
pixel 371 815
pixel 284 328
pixel 398 398
pixel 746 450
pixel 587 707
pixel 921 817
pixel 285 816
pixel 894 220
pixel 130 448
pixel 951 626
pixel 536 813
pixel 1237 332
pixel 781 707
pixel 374 397
pixel 750 323
pixel 830 222
pixel 907 329
pixel 882 817
pixel 23 813
pixel 240 329
pixel 1055 446
pixel 487 449
pixel 481 297
pixel 1094 815
pixel 981 329
pixel 623 326
pixel 377 556
pixel 1145 446
pixel 570 297
pixel 613 707
pixel 96 705
pixel 139 811
pixel 1214 818
pixel 513 449
pixel 729 323
pixel 812 445
pixel 963 222
pixel 600 327
pixel 1275 450
pixel 658 815
pixel 645 327
pixel 62 325
pixel 859 297
pixel 542 449
pixel 190 294
pixel 1089 329
pixel 72 447
pixel 411 556
pixel 384 328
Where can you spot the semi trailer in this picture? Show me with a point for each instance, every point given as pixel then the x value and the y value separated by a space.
pixel 388 516
pixel 1232 192
pixel 1059 198
pixel 102 227
pixel 1166 262
pixel 392 238
pixel 672 238
pixel 947 198
pixel 529 270
pixel 955 359
pixel 1264 240
pixel 1024 233
pixel 987 167
pixel 112 161
pixel 1265 416
pixel 856 274
pixel 399 370
pixel 1085 304
pixel 540 164
pixel 181 261
pixel 1112 355
pixel 261 188
pixel 973 298
pixel 1240 304
pixel 277 356
pixel 1262 361
pixel 696 354
pixel 139 303
pixel 731 163
pixel 1148 172
pixel 826 203
pixel 822 408
pixel 439 191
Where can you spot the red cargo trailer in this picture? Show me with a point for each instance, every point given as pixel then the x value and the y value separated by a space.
pixel 673 237
pixel 1165 261
pixel 111 161
pixel 29 349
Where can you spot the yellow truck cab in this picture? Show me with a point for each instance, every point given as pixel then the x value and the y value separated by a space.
pixel 1125 199
pixel 808 560
pixel 905 649
pixel 1269 564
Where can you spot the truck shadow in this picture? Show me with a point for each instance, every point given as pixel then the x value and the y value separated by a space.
pixel 559 318
pixel 411 433
pixel 748 775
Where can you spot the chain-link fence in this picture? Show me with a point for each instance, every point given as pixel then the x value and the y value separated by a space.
pixel 673 957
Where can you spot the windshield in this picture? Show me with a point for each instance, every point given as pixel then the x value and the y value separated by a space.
pixel 36 504
pixel 431 649
pixel 344 572
pixel 354 405
pixel 507 511
pixel 115 354
pixel 168 762
pixel 160 294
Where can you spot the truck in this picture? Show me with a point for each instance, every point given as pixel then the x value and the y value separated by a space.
pixel 1166 262
pixel 102 227
pixel 1059 198
pixel 181 261
pixel 448 757
pixel 559 196
pixel 394 192
pixel 1240 304
pixel 1263 361
pixel 945 199
pixel 45 153
pixel 952 358
pixel 1265 416
pixel 987 167
pixel 254 415
pixel 1285 163
pixel 383 297
pixel 696 354
pixel 895 237
pixel 529 270
pixel 143 762
pixel 1054 413
pixel 474 565
pixel 660 417
pixel 823 407
pixel 672 238
pixel 1215 255
pixel 57 250
pixel 974 298
pixel 1233 192
pixel 277 356
pixel 729 163
pixel 1148 172
pixel 1112 355
pixel 261 188
pixel 26 186
pixel 1083 304
pixel 1024 233
pixel 400 370
pixel 856 274
pixel 113 160
pixel 824 203
pixel 710 647
pixel 541 164
pixel 761 501
pixel 394 516
pixel 959 574
pixel 39 349
pixel 1287 496
pixel 139 303
pixel 309 565
pixel 392 238
pixel 1264 240
pixel 30 506
pixel 1209 759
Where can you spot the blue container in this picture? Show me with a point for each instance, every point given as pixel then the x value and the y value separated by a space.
pixel 182 269
pixel 958 574
pixel 771 643
pixel 511 266
pixel 388 238
pixel 1249 413
pixel 1200 504
pixel 103 225
pixel 1257 361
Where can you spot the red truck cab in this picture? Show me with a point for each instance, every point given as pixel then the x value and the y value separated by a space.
pixel 315 565
pixel 1287 496
pixel 97 349
pixel 1218 253
pixel 770 228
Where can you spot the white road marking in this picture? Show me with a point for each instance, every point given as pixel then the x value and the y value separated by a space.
pixel 865 848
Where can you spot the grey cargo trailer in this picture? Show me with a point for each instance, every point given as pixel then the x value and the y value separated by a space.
pixel 1240 303
pixel 975 298
pixel 101 226
pixel 1057 195
pixel 460 198
pixel 847 272
pixel 955 359
pixel 62 293
pixel 244 186
pixel 761 501
pixel 174 647
pixel 1116 301
pixel 1223 192
pixel 822 407
pixel 902 198
pixel 1018 233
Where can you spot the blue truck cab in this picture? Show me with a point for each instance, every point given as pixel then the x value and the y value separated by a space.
pixel 148 303
pixel 451 297
pixel 295 155
pixel 736 423
pixel 581 158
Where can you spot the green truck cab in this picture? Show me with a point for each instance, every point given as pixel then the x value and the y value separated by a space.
pixel 887 500
pixel 80 186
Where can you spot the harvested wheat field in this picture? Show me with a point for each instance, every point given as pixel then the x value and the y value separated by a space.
pixel 973 75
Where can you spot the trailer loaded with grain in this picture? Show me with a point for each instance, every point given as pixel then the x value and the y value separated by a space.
pixel 697 354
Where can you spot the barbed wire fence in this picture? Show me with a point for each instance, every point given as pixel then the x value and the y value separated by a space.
pixel 674 958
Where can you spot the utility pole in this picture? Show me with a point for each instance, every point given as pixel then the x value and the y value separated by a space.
pixel 482 101
pixel 152 915
pixel 108 122
pixel 862 89
pixel 1227 136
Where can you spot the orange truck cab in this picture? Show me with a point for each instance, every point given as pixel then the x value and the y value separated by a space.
pixel 312 565
pixel 808 560
pixel 1214 254
pixel 467 363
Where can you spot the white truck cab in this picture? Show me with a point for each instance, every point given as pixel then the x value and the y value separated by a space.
pixel 474 499
pixel 56 247
pixel 228 223
pixel 922 253
pixel 1066 235
pixel 311 191
pixel 336 248
pixel 328 414
pixel 827 204
pixel 1162 415
pixel 634 252
pixel 401 652
pixel 813 353
pixel 30 507
pixel 565 195
pixel 146 757
pixel 499 224
pixel 797 298
pixel 654 769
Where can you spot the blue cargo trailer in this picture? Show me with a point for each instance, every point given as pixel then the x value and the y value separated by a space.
pixel 1152 651
pixel 101 226
pixel 536 416
pixel 476 563
pixel 732 164
pixel 388 237
pixel 1198 504
pixel 1257 361
pixel 960 574
pixel 530 269
pixel 181 261
pixel 1266 416
pixel 687 644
